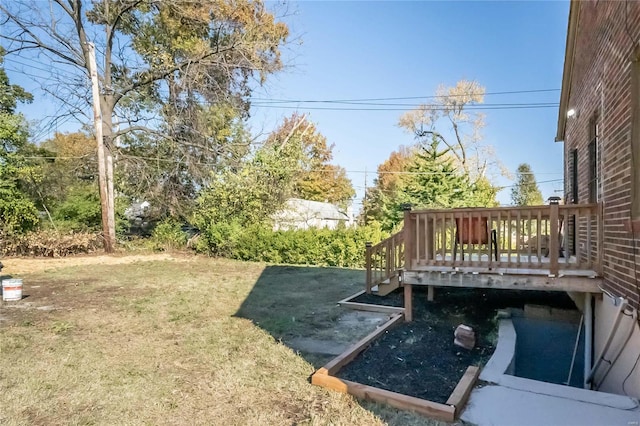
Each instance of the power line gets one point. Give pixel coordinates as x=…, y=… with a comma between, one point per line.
x=175, y=161
x=66, y=72
x=415, y=105
x=497, y=187
x=468, y=107
x=512, y=92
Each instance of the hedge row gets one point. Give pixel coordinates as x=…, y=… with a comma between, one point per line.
x=321, y=247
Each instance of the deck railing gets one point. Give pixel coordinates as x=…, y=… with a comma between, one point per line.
x=384, y=259
x=534, y=239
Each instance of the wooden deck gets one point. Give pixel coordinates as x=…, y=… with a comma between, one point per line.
x=503, y=281
x=553, y=248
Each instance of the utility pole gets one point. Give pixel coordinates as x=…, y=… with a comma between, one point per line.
x=106, y=205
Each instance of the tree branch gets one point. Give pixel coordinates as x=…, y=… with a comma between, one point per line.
x=463, y=153
x=149, y=76
x=130, y=129
x=35, y=41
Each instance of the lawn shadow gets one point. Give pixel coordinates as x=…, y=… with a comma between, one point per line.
x=297, y=305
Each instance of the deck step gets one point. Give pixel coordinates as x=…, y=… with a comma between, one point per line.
x=387, y=286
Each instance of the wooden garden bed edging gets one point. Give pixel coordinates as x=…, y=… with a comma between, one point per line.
x=347, y=356
x=347, y=303
x=325, y=377
x=460, y=394
x=402, y=402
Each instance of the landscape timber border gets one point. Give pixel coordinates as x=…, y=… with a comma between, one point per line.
x=326, y=377
x=347, y=303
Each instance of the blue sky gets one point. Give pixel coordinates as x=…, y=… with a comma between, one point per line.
x=386, y=49
x=376, y=49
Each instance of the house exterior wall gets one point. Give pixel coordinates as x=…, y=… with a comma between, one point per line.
x=289, y=224
x=623, y=377
x=600, y=93
x=298, y=214
x=598, y=79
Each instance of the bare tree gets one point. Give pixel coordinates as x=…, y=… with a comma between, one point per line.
x=449, y=119
x=152, y=54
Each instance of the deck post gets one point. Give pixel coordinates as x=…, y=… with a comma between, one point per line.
x=409, y=244
x=408, y=302
x=430, y=293
x=367, y=256
x=554, y=250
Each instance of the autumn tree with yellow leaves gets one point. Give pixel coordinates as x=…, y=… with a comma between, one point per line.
x=161, y=65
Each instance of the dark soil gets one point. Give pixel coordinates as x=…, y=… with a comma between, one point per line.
x=419, y=358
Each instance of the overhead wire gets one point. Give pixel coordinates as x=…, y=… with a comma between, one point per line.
x=423, y=106
x=511, y=92
x=32, y=66
x=315, y=170
x=478, y=107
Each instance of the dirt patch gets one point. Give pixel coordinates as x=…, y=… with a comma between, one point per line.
x=17, y=265
x=419, y=358
x=317, y=346
x=41, y=299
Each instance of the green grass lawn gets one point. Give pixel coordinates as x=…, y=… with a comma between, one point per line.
x=185, y=341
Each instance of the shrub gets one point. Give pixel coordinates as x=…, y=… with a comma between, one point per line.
x=219, y=239
x=168, y=235
x=17, y=213
x=322, y=247
x=81, y=211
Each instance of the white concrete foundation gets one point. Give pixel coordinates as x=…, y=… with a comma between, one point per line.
x=509, y=400
x=622, y=378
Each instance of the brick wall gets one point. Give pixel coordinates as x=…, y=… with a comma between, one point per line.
x=601, y=87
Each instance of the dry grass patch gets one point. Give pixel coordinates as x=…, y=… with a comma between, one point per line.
x=172, y=342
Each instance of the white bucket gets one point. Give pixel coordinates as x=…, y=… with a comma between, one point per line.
x=12, y=289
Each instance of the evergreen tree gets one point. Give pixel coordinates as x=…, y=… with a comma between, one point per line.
x=432, y=180
x=435, y=182
x=526, y=192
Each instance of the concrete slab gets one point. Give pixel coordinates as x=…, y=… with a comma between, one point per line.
x=510, y=400
x=500, y=368
x=317, y=346
x=349, y=328
x=498, y=405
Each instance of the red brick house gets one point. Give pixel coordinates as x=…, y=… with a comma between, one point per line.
x=599, y=124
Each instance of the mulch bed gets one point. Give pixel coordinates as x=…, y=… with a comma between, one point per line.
x=419, y=358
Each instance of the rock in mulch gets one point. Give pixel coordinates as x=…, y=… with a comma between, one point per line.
x=464, y=337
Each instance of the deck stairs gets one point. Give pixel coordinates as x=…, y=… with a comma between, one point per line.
x=388, y=285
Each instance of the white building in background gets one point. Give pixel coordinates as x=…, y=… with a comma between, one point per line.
x=305, y=214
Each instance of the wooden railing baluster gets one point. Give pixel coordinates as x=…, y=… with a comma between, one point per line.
x=428, y=239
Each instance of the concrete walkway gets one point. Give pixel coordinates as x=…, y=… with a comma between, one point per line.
x=497, y=405
x=513, y=401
